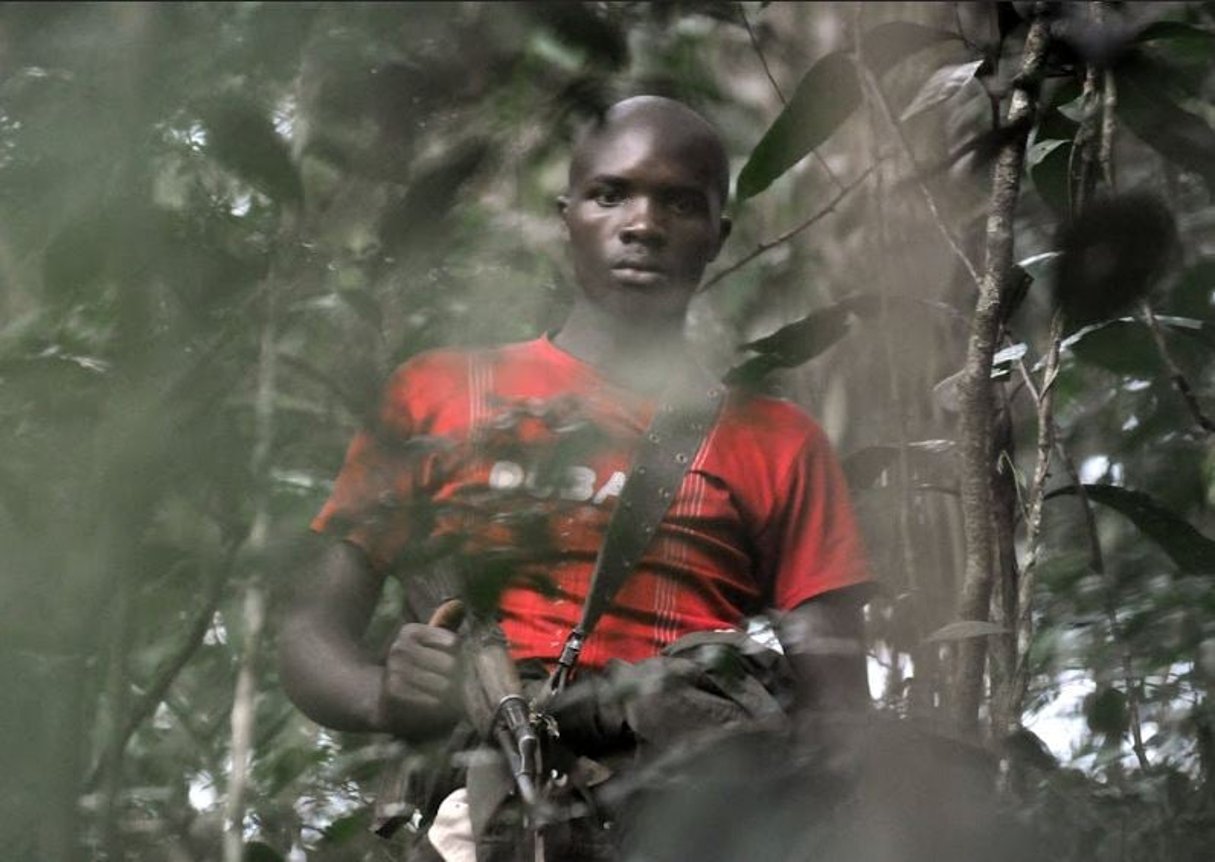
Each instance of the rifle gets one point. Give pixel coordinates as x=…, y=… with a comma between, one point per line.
x=495, y=701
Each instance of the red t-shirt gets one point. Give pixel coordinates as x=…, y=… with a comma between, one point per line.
x=513, y=458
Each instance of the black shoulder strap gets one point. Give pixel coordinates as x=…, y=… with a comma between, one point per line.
x=676, y=434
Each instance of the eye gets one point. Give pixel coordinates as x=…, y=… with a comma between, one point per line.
x=686, y=203
x=607, y=196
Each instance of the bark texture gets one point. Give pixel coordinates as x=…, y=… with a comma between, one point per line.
x=976, y=396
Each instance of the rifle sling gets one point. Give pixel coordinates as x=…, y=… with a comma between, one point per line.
x=667, y=449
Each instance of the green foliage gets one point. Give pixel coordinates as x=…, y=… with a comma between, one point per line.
x=358, y=183
x=825, y=97
x=1193, y=552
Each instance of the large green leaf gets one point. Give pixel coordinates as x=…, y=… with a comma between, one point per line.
x=1147, y=108
x=826, y=96
x=241, y=137
x=888, y=44
x=1193, y=552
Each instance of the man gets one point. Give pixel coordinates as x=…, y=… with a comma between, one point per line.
x=761, y=520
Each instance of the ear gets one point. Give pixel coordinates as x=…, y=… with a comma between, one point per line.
x=563, y=203
x=726, y=225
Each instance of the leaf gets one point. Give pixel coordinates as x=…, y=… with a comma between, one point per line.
x=1148, y=110
x=1193, y=552
x=864, y=467
x=582, y=26
x=1050, y=176
x=241, y=138
x=418, y=217
x=1180, y=43
x=1111, y=255
x=794, y=344
x=940, y=86
x=888, y=44
x=1040, y=150
x=1002, y=361
x=826, y=96
x=260, y=851
x=1040, y=266
x=365, y=305
x=964, y=629
x=1106, y=713
x=1122, y=346
x=1191, y=295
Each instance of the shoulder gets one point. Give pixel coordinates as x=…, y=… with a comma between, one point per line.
x=443, y=368
x=436, y=382
x=773, y=424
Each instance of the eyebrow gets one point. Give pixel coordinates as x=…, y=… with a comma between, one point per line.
x=616, y=180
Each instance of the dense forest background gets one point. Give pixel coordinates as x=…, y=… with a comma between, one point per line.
x=976, y=240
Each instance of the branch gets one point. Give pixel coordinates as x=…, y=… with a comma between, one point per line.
x=975, y=390
x=1179, y=380
x=1044, y=400
x=243, y=716
x=791, y=232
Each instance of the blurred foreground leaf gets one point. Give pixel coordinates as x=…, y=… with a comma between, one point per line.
x=241, y=138
x=1111, y=255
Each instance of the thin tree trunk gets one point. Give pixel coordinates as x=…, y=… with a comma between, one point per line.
x=976, y=395
x=254, y=606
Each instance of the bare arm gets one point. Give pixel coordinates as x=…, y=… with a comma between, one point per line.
x=335, y=680
x=824, y=641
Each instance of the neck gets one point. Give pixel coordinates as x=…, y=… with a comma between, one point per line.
x=639, y=354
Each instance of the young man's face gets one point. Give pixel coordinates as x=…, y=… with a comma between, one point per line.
x=644, y=217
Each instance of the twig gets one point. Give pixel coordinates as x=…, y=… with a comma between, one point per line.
x=1044, y=400
x=1109, y=103
x=742, y=13
x=791, y=232
x=872, y=85
x=759, y=52
x=975, y=390
x=159, y=689
x=1097, y=564
x=1175, y=375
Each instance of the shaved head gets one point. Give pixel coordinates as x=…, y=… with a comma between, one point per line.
x=684, y=131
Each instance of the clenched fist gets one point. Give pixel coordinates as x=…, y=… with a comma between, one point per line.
x=420, y=693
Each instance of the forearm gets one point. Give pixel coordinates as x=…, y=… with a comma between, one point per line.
x=325, y=670
x=333, y=683
x=824, y=642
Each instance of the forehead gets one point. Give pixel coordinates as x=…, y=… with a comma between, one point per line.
x=646, y=151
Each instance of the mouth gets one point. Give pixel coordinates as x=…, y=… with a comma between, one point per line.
x=638, y=272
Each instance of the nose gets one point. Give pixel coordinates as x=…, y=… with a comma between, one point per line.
x=643, y=222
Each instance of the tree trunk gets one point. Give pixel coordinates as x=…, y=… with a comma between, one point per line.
x=976, y=395
x=254, y=609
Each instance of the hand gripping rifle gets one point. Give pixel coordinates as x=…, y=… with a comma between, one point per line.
x=496, y=703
